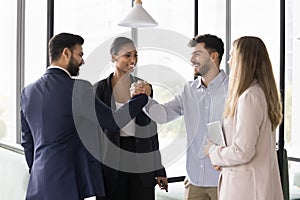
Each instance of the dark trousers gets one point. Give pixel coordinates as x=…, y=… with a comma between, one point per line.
x=129, y=185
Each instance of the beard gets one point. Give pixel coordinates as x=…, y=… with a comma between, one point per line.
x=203, y=70
x=73, y=67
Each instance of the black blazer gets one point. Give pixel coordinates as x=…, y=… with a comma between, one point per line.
x=146, y=140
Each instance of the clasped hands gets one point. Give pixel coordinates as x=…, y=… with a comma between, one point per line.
x=140, y=87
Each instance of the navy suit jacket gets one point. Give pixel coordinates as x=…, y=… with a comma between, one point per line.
x=52, y=110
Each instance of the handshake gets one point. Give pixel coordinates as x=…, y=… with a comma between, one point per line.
x=140, y=87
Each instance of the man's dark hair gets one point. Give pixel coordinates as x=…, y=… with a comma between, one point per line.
x=63, y=40
x=211, y=43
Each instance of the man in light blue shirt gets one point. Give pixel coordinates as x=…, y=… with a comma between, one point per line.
x=201, y=101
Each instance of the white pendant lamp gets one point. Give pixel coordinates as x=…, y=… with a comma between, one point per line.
x=138, y=17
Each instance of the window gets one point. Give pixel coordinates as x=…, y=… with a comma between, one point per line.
x=212, y=15
x=245, y=23
x=35, y=40
x=8, y=22
x=96, y=21
x=292, y=97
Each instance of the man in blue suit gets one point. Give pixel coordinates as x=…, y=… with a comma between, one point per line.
x=56, y=112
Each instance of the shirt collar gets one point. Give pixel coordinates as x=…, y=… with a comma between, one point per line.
x=199, y=82
x=217, y=81
x=58, y=67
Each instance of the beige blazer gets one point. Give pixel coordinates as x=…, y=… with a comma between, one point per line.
x=250, y=168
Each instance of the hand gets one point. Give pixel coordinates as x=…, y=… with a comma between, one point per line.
x=140, y=87
x=147, y=88
x=162, y=183
x=207, y=147
x=207, y=150
x=217, y=167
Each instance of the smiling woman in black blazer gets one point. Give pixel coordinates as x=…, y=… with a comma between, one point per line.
x=133, y=173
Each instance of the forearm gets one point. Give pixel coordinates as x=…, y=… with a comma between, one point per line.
x=114, y=120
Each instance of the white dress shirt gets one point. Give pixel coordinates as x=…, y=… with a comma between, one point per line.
x=199, y=105
x=128, y=129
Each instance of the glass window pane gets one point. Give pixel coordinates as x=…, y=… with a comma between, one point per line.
x=265, y=26
x=292, y=97
x=212, y=15
x=35, y=40
x=169, y=15
x=96, y=21
x=292, y=79
x=294, y=178
x=8, y=21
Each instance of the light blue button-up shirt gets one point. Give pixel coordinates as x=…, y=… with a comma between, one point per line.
x=199, y=105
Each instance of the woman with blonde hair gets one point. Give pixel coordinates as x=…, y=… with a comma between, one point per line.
x=248, y=164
